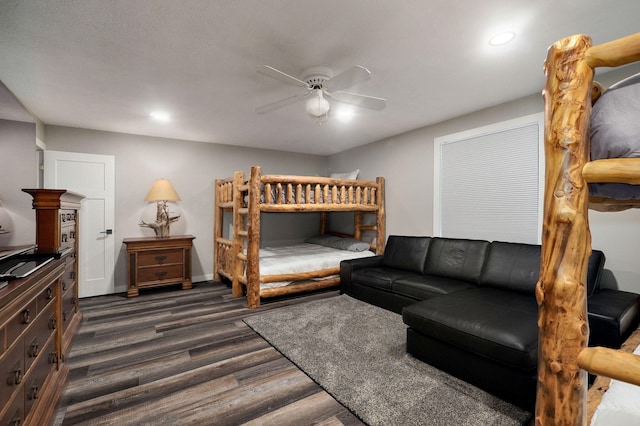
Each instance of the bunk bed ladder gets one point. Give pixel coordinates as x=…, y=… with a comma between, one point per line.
x=239, y=233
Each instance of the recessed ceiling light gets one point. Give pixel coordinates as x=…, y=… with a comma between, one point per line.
x=502, y=38
x=160, y=116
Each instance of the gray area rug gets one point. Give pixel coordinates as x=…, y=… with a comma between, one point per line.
x=357, y=353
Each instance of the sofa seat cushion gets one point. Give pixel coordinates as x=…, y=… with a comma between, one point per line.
x=496, y=324
x=379, y=277
x=421, y=287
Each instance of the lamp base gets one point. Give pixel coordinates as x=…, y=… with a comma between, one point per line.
x=163, y=221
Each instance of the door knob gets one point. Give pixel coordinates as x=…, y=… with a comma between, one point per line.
x=108, y=231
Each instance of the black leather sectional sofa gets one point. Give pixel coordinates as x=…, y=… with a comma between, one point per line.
x=471, y=310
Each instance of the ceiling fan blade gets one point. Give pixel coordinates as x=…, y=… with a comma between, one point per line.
x=281, y=103
x=279, y=75
x=365, y=101
x=351, y=77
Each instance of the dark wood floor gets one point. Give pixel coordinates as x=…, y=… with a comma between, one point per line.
x=173, y=357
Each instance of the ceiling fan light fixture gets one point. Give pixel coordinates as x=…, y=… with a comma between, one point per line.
x=317, y=105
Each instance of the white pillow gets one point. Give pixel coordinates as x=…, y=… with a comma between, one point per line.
x=346, y=175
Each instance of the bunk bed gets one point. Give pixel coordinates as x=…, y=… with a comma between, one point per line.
x=563, y=355
x=241, y=259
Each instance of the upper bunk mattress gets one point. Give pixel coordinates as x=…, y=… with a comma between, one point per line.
x=615, y=133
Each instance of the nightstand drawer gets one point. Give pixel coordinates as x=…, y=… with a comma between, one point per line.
x=160, y=257
x=160, y=273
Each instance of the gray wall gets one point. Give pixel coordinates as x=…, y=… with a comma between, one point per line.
x=406, y=161
x=192, y=168
x=17, y=170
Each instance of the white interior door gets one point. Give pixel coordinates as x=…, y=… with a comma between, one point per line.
x=94, y=177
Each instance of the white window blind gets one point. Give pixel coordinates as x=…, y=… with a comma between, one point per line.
x=489, y=182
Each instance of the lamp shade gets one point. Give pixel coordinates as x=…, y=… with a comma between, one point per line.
x=162, y=190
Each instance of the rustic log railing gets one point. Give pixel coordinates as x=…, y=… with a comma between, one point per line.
x=237, y=259
x=563, y=355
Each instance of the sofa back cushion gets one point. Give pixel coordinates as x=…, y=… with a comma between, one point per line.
x=456, y=258
x=516, y=267
x=594, y=271
x=406, y=252
x=512, y=266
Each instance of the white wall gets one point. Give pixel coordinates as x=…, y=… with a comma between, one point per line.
x=406, y=162
x=17, y=171
x=192, y=168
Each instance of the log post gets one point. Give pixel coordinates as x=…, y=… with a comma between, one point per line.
x=566, y=240
x=238, y=225
x=217, y=227
x=253, y=238
x=380, y=217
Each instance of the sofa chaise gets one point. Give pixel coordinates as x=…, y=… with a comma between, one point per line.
x=470, y=306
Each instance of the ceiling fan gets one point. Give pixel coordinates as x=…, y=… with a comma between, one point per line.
x=320, y=83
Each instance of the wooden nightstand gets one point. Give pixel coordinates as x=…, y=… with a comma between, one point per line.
x=154, y=262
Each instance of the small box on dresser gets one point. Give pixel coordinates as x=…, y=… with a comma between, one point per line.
x=155, y=261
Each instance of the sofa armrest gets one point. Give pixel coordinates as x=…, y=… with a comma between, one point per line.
x=613, y=316
x=348, y=266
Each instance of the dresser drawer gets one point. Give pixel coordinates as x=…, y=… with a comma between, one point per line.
x=13, y=414
x=69, y=305
x=160, y=273
x=45, y=363
x=38, y=335
x=46, y=296
x=21, y=320
x=11, y=372
x=160, y=257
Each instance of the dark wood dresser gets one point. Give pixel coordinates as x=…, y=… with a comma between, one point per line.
x=155, y=261
x=39, y=314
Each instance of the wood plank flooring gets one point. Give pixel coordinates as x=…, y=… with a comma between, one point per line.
x=172, y=356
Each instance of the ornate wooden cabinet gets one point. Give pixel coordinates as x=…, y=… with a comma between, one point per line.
x=39, y=315
x=157, y=261
x=57, y=216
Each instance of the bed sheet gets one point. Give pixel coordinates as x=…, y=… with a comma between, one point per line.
x=302, y=257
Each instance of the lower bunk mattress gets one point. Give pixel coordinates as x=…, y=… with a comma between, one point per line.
x=300, y=258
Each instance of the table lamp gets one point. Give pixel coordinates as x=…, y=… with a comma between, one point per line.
x=161, y=192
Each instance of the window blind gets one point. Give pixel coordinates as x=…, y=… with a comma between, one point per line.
x=489, y=183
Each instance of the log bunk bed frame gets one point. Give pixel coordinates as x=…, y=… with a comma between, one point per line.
x=237, y=259
x=564, y=357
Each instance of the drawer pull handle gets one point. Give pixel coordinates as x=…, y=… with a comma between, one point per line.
x=64, y=316
x=64, y=285
x=33, y=392
x=72, y=275
x=52, y=324
x=53, y=358
x=16, y=420
x=26, y=318
x=49, y=293
x=15, y=376
x=33, y=350
x=161, y=258
x=161, y=274
x=73, y=301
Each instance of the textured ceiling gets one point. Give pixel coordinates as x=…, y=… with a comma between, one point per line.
x=107, y=64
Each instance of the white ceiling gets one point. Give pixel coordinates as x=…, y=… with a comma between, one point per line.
x=107, y=64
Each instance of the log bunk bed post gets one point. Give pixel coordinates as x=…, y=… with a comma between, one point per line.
x=563, y=354
x=320, y=195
